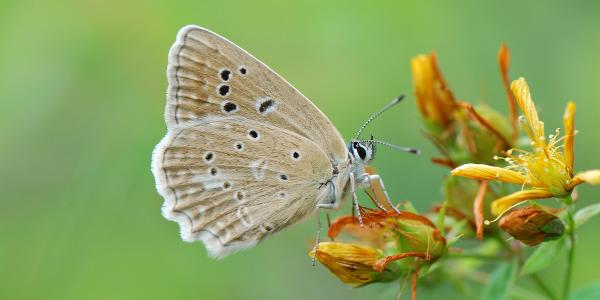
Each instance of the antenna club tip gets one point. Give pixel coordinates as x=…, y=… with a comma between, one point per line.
x=415, y=151
x=399, y=98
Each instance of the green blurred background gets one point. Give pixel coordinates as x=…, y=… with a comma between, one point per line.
x=82, y=97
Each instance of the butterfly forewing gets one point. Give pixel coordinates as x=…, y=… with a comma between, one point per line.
x=208, y=75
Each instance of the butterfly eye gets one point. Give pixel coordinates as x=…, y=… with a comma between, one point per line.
x=360, y=150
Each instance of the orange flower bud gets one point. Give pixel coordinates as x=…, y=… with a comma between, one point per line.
x=434, y=99
x=353, y=264
x=532, y=225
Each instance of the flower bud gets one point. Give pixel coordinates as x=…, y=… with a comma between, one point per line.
x=402, y=235
x=532, y=225
x=352, y=264
x=434, y=99
x=415, y=233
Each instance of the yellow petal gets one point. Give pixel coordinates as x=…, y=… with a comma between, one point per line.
x=350, y=252
x=589, y=176
x=502, y=204
x=569, y=123
x=523, y=96
x=485, y=172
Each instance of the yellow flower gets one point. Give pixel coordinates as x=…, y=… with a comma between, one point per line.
x=547, y=170
x=353, y=264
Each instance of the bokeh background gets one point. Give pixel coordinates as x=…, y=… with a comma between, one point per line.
x=81, y=107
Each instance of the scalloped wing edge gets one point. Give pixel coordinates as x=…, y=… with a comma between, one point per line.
x=214, y=247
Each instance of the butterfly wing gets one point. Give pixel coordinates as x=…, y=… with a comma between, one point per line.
x=230, y=181
x=208, y=75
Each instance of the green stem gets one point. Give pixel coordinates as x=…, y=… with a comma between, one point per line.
x=538, y=281
x=506, y=245
x=571, y=255
x=475, y=256
x=542, y=286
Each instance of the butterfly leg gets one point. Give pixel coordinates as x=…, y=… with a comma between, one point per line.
x=330, y=204
x=355, y=199
x=378, y=190
x=314, y=257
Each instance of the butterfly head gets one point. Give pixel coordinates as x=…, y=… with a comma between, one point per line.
x=362, y=151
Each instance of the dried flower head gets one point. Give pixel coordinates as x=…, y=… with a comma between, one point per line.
x=532, y=225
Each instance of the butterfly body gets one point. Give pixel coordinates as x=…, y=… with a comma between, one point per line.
x=245, y=154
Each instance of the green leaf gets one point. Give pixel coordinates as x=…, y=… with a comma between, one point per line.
x=591, y=292
x=584, y=214
x=543, y=256
x=501, y=280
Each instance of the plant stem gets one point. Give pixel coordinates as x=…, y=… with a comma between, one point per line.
x=538, y=281
x=571, y=255
x=475, y=256
x=504, y=243
x=543, y=287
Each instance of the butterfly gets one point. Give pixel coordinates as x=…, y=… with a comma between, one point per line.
x=246, y=154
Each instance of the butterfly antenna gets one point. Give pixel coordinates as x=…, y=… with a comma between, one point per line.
x=375, y=115
x=395, y=147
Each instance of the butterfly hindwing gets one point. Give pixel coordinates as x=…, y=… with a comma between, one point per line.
x=208, y=76
x=230, y=181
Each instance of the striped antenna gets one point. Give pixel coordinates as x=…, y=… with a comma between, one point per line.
x=375, y=115
x=395, y=147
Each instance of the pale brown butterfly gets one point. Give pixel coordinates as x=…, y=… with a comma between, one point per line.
x=246, y=154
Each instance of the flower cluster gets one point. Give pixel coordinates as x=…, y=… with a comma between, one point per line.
x=463, y=133
x=493, y=171
x=387, y=245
